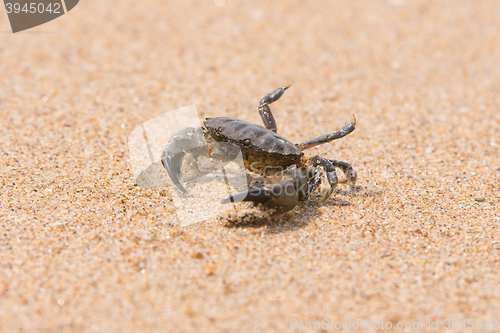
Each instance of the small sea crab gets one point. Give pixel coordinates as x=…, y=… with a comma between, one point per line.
x=264, y=152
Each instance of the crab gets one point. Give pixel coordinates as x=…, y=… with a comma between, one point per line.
x=264, y=152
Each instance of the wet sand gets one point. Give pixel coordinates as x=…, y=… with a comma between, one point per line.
x=83, y=249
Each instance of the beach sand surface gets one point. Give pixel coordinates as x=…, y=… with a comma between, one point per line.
x=416, y=241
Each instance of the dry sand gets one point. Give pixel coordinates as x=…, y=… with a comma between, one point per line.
x=83, y=249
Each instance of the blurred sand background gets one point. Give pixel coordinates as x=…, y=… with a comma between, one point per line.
x=82, y=249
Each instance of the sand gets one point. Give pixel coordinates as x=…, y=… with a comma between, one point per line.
x=83, y=249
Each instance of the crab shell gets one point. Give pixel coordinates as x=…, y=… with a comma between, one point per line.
x=261, y=148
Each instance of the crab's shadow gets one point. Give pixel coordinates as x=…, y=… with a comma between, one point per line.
x=297, y=219
x=301, y=216
x=273, y=224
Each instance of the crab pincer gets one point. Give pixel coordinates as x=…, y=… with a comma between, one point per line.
x=281, y=197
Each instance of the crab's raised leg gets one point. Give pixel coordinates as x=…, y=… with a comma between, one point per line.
x=187, y=140
x=348, y=128
x=265, y=111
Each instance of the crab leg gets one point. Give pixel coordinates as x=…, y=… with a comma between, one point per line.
x=331, y=175
x=348, y=128
x=265, y=111
x=315, y=175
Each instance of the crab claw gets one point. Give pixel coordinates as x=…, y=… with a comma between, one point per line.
x=280, y=197
x=189, y=139
x=173, y=166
